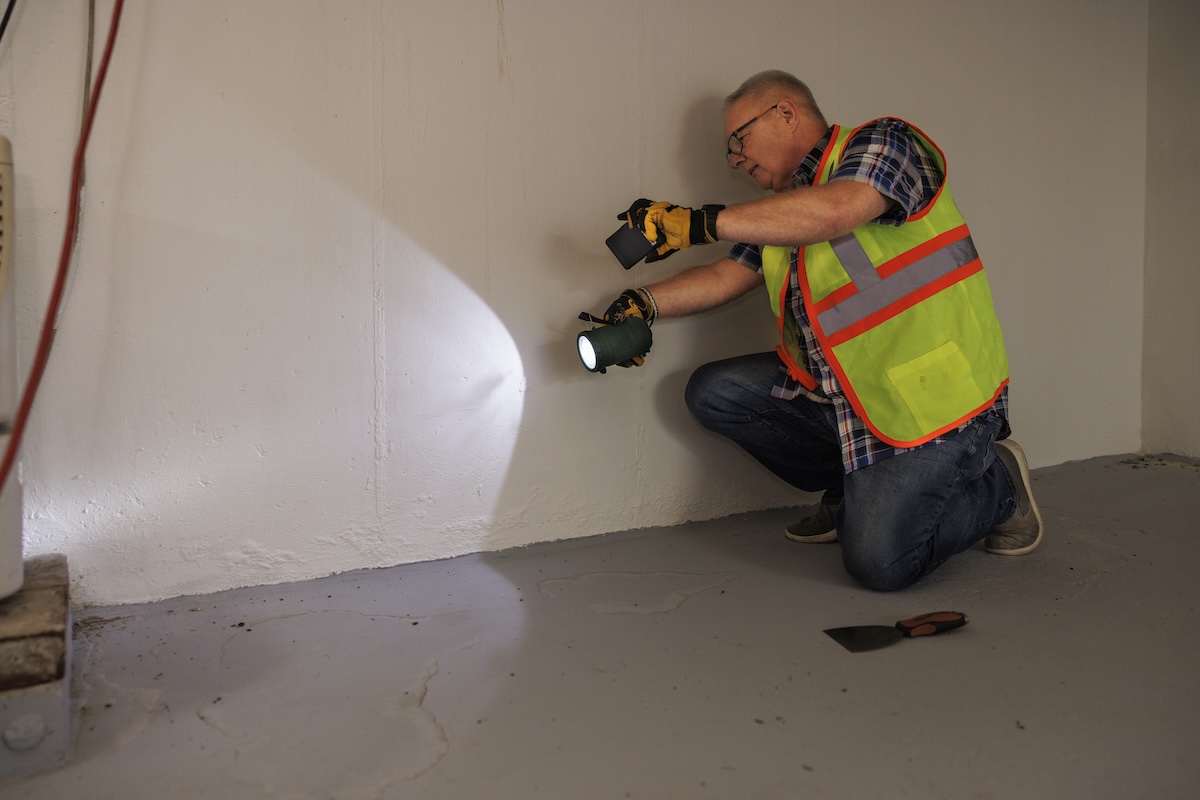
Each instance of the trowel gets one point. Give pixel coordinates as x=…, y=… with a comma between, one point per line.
x=860, y=638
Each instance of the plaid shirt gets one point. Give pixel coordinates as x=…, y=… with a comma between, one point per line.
x=885, y=156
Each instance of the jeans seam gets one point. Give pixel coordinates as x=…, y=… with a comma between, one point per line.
x=955, y=484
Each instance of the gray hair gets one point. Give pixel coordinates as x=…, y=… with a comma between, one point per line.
x=775, y=81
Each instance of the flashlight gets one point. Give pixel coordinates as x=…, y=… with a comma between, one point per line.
x=602, y=347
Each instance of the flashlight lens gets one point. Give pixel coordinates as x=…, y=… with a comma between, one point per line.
x=587, y=353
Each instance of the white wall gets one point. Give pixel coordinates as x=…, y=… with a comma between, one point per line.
x=333, y=253
x=1172, y=339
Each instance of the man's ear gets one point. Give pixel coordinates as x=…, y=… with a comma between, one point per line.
x=789, y=112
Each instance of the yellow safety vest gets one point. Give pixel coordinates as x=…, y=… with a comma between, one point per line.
x=903, y=314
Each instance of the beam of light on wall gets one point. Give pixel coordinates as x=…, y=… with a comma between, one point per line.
x=307, y=390
x=455, y=397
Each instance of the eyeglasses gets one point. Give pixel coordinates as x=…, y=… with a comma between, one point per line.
x=736, y=141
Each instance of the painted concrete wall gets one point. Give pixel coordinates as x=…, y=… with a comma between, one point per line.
x=1172, y=333
x=333, y=254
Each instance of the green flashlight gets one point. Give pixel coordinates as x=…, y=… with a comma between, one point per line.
x=606, y=345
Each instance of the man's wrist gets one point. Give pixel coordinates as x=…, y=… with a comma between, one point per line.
x=704, y=224
x=651, y=306
x=720, y=223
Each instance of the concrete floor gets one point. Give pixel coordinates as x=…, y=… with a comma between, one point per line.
x=680, y=663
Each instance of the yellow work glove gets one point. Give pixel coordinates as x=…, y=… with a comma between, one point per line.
x=670, y=227
x=632, y=303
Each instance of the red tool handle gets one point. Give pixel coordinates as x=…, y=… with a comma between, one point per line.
x=929, y=624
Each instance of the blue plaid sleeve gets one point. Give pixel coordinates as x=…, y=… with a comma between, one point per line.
x=887, y=156
x=748, y=255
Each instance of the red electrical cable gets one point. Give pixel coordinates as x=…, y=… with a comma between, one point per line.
x=64, y=262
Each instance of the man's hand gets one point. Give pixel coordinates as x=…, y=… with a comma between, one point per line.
x=672, y=227
x=631, y=303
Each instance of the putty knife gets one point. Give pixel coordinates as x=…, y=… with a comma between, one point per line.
x=861, y=638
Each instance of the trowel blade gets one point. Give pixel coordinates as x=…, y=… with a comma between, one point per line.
x=861, y=638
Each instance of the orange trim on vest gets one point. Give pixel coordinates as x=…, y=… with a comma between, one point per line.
x=833, y=298
x=917, y=253
x=889, y=268
x=883, y=315
x=795, y=371
x=927, y=437
x=833, y=137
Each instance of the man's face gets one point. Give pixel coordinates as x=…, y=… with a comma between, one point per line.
x=763, y=141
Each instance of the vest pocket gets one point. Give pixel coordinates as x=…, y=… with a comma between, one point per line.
x=937, y=387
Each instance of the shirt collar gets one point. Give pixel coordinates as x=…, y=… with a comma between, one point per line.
x=807, y=171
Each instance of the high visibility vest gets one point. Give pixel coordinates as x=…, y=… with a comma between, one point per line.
x=903, y=315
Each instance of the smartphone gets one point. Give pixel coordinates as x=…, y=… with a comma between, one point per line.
x=629, y=246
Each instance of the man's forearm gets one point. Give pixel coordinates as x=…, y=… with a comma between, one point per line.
x=703, y=287
x=802, y=216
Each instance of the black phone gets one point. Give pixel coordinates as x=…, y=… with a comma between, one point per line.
x=629, y=246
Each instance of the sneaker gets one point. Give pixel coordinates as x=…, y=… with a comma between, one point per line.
x=1023, y=530
x=817, y=527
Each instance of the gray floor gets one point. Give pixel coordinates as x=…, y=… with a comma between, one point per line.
x=679, y=663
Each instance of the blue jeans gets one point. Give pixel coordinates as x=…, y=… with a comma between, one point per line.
x=898, y=519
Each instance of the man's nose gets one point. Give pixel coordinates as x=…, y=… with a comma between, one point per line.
x=740, y=162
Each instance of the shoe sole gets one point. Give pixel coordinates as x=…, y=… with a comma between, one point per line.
x=1018, y=455
x=816, y=538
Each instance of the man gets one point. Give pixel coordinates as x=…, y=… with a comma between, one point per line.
x=888, y=390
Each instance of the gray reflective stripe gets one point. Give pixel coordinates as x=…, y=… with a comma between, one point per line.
x=897, y=286
x=855, y=261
